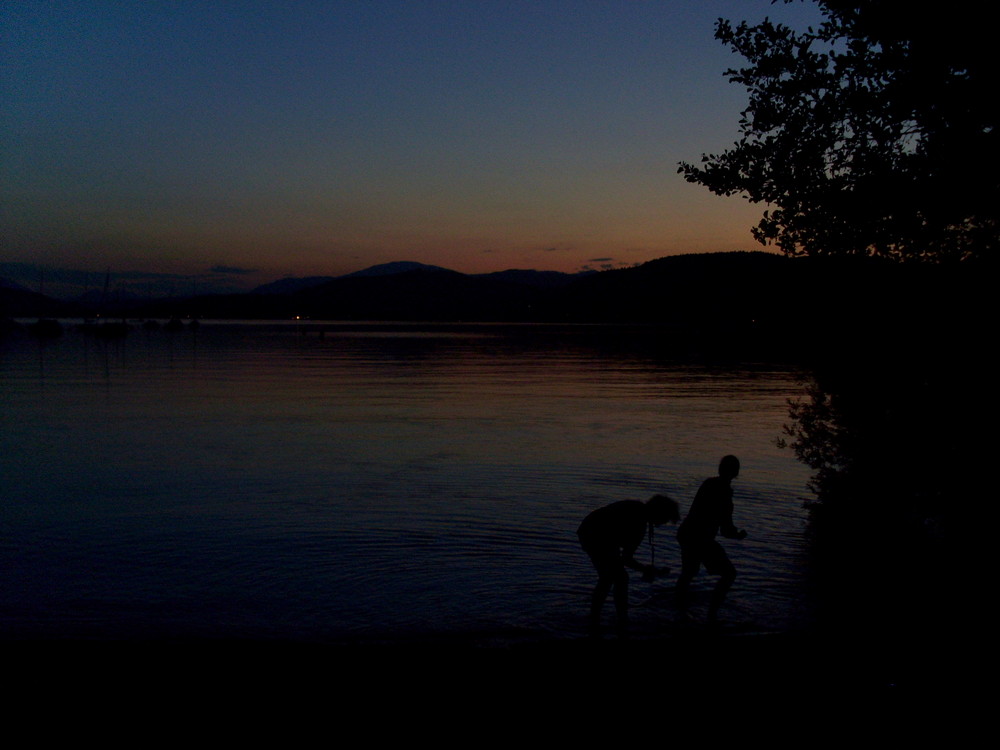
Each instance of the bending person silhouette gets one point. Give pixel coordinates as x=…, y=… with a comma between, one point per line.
x=611, y=535
x=711, y=513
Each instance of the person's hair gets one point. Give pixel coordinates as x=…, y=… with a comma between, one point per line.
x=661, y=506
x=729, y=466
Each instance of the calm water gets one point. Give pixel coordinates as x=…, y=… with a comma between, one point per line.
x=370, y=482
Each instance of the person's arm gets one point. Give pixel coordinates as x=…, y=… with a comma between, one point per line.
x=727, y=528
x=630, y=562
x=649, y=572
x=729, y=531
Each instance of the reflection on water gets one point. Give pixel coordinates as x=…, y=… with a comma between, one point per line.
x=365, y=481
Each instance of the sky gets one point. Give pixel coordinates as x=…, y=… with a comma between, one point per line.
x=241, y=141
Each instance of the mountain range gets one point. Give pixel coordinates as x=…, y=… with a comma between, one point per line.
x=292, y=285
x=671, y=289
x=712, y=293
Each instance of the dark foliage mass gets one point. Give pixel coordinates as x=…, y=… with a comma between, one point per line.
x=874, y=134
x=873, y=138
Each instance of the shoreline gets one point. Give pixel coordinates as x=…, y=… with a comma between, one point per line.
x=452, y=690
x=777, y=661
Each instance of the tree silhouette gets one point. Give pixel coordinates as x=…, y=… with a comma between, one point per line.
x=873, y=134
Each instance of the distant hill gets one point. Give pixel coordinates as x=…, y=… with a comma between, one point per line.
x=433, y=294
x=742, y=296
x=399, y=266
x=673, y=289
x=292, y=285
x=702, y=287
x=545, y=279
x=11, y=284
x=18, y=302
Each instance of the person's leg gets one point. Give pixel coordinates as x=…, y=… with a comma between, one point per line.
x=606, y=565
x=727, y=574
x=597, y=599
x=621, y=600
x=690, y=563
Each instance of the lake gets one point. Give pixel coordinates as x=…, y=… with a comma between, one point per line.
x=373, y=482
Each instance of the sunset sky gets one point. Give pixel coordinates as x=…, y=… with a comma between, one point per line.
x=248, y=140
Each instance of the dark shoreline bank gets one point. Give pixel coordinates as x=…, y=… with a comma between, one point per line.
x=782, y=663
x=452, y=692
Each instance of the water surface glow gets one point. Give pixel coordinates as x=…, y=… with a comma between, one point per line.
x=268, y=481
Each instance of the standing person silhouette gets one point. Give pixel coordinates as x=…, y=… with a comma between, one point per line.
x=611, y=535
x=711, y=513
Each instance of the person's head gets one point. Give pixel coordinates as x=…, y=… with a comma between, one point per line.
x=662, y=509
x=729, y=467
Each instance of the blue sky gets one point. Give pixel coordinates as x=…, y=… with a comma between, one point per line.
x=322, y=137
